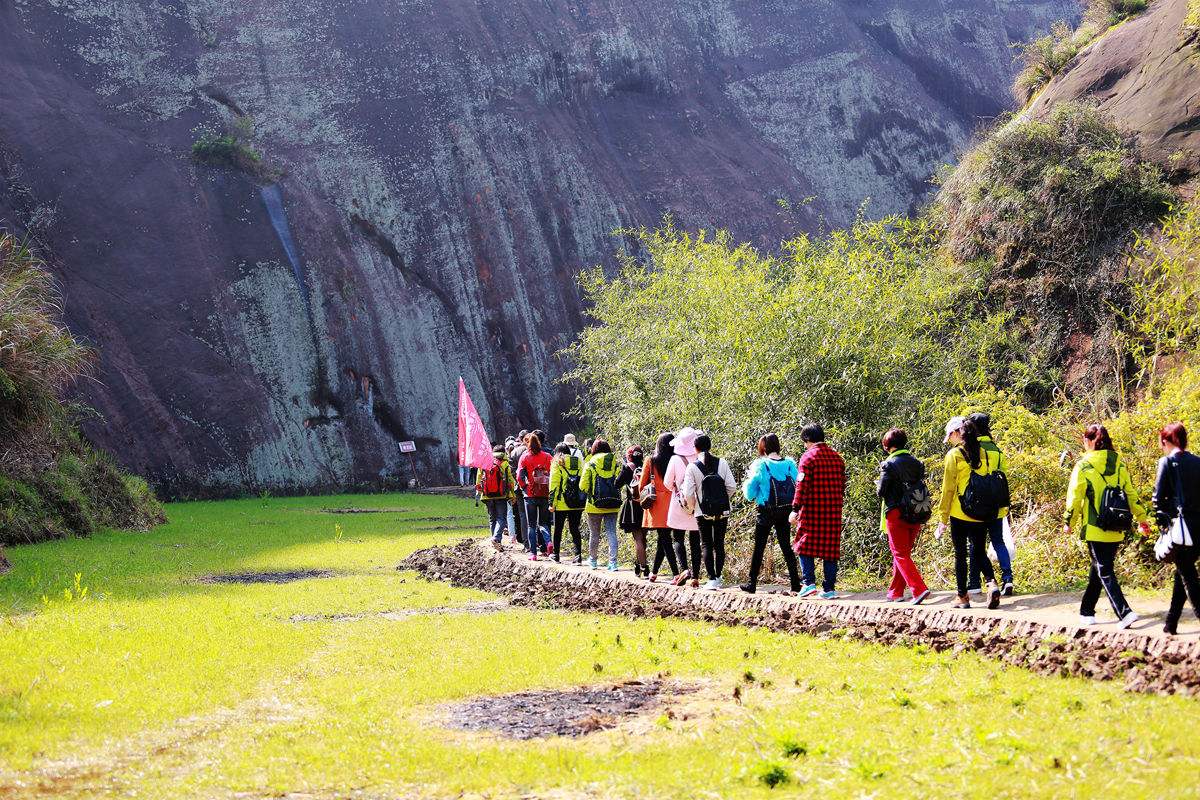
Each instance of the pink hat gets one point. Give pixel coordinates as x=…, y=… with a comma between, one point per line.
x=685, y=441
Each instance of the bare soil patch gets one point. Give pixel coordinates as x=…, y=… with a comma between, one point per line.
x=268, y=577
x=484, y=607
x=570, y=712
x=352, y=510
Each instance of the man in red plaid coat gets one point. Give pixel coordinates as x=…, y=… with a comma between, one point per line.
x=817, y=511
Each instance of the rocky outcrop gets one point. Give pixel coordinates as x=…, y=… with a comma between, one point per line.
x=433, y=176
x=1146, y=663
x=1145, y=73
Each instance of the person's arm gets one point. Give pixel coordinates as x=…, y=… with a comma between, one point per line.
x=1164, y=493
x=647, y=475
x=730, y=483
x=885, y=480
x=555, y=479
x=1075, y=515
x=688, y=488
x=949, y=486
x=803, y=479
x=752, y=491
x=510, y=483
x=587, y=479
x=624, y=477
x=671, y=479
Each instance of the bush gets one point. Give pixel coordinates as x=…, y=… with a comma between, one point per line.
x=227, y=150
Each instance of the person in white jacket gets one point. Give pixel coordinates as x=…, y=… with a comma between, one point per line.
x=708, y=487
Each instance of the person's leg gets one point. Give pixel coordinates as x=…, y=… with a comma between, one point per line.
x=1091, y=592
x=706, y=544
x=1178, y=601
x=680, y=548
x=809, y=567
x=1185, y=568
x=762, y=530
x=1104, y=555
x=694, y=543
x=720, y=527
x=639, y=549
x=574, y=521
x=783, y=533
x=560, y=519
x=893, y=527
x=610, y=525
x=545, y=520
x=593, y=521
x=958, y=537
x=519, y=517
x=829, y=569
x=664, y=538
x=1003, y=557
x=531, y=522
x=495, y=515
x=660, y=552
x=908, y=568
x=982, y=564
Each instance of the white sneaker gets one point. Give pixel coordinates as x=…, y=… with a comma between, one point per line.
x=717, y=583
x=710, y=585
x=1085, y=621
x=1128, y=620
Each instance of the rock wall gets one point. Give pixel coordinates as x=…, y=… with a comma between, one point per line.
x=435, y=173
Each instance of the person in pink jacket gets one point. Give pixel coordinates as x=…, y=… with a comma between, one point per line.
x=679, y=518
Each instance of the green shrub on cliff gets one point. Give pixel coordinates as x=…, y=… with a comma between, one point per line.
x=227, y=150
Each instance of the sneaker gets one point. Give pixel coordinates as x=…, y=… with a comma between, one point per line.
x=653, y=577
x=718, y=583
x=1008, y=589
x=1086, y=619
x=550, y=549
x=579, y=561
x=809, y=590
x=496, y=544
x=681, y=578
x=962, y=601
x=1128, y=620
x=993, y=597
x=916, y=601
x=748, y=588
x=828, y=595
x=533, y=556
x=594, y=563
x=695, y=583
x=557, y=560
x=890, y=599
x=612, y=566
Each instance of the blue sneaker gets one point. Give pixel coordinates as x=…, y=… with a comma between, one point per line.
x=612, y=566
x=808, y=591
x=594, y=564
x=828, y=595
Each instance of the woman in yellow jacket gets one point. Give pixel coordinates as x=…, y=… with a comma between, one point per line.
x=1098, y=469
x=599, y=483
x=969, y=535
x=567, y=498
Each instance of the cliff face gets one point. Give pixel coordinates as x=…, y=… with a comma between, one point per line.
x=434, y=174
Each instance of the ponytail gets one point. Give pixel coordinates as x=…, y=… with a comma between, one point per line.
x=970, y=445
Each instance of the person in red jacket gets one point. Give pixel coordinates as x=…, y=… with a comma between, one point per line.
x=817, y=511
x=533, y=476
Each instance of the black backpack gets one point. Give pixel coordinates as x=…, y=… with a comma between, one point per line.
x=605, y=493
x=781, y=492
x=571, y=494
x=1113, y=513
x=916, y=503
x=986, y=493
x=714, y=496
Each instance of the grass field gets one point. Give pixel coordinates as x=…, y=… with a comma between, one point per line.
x=155, y=684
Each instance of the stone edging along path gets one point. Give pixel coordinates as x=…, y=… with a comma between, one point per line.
x=1146, y=663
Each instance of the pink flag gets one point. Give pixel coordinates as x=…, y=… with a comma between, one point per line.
x=474, y=448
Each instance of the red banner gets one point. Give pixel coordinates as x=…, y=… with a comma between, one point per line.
x=474, y=447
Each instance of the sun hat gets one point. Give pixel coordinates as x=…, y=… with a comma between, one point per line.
x=570, y=439
x=954, y=424
x=685, y=441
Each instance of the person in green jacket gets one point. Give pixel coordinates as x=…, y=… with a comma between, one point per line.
x=567, y=498
x=1099, y=468
x=983, y=424
x=599, y=483
x=496, y=487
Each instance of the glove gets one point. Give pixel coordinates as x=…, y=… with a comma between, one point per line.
x=939, y=531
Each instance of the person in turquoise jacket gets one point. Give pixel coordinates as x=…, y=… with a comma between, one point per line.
x=770, y=485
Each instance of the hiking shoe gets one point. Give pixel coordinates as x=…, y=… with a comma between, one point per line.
x=1086, y=619
x=496, y=544
x=916, y=601
x=717, y=583
x=748, y=588
x=595, y=564
x=899, y=599
x=713, y=585
x=557, y=560
x=962, y=601
x=1128, y=620
x=579, y=561
x=1008, y=589
x=681, y=578
x=612, y=566
x=809, y=590
x=828, y=595
x=994, y=597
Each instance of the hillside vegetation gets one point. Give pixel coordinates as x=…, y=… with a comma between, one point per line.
x=1038, y=287
x=52, y=483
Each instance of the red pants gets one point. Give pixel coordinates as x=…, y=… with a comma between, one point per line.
x=902, y=536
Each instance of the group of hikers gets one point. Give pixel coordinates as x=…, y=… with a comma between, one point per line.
x=675, y=502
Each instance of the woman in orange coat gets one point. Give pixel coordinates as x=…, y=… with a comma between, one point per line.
x=654, y=518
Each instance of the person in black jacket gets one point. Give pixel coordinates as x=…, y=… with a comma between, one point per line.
x=1176, y=491
x=900, y=471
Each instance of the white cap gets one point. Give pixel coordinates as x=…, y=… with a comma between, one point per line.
x=954, y=424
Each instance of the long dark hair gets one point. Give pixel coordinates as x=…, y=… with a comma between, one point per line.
x=534, y=443
x=663, y=453
x=970, y=445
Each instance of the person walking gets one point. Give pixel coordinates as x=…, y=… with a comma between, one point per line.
x=571, y=442
x=496, y=488
x=567, y=498
x=533, y=477
x=681, y=521
x=771, y=485
x=968, y=534
x=632, y=513
x=708, y=488
x=817, y=511
x=519, y=521
x=1102, y=506
x=656, y=500
x=1177, y=495
x=983, y=425
x=906, y=506
x=599, y=483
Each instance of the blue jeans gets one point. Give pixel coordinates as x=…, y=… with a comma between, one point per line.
x=808, y=566
x=996, y=534
x=464, y=475
x=609, y=522
x=537, y=513
x=497, y=517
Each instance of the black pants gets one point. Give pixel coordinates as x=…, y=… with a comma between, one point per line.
x=773, y=520
x=969, y=540
x=664, y=549
x=1103, y=575
x=519, y=517
x=712, y=538
x=1187, y=584
x=568, y=517
x=681, y=550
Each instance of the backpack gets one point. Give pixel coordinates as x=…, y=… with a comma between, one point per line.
x=714, y=497
x=604, y=490
x=539, y=482
x=1113, y=512
x=571, y=494
x=649, y=494
x=916, y=503
x=986, y=493
x=493, y=482
x=780, y=492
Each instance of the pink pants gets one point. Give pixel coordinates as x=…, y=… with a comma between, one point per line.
x=902, y=536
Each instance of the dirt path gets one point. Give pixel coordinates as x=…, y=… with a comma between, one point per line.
x=1038, y=632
